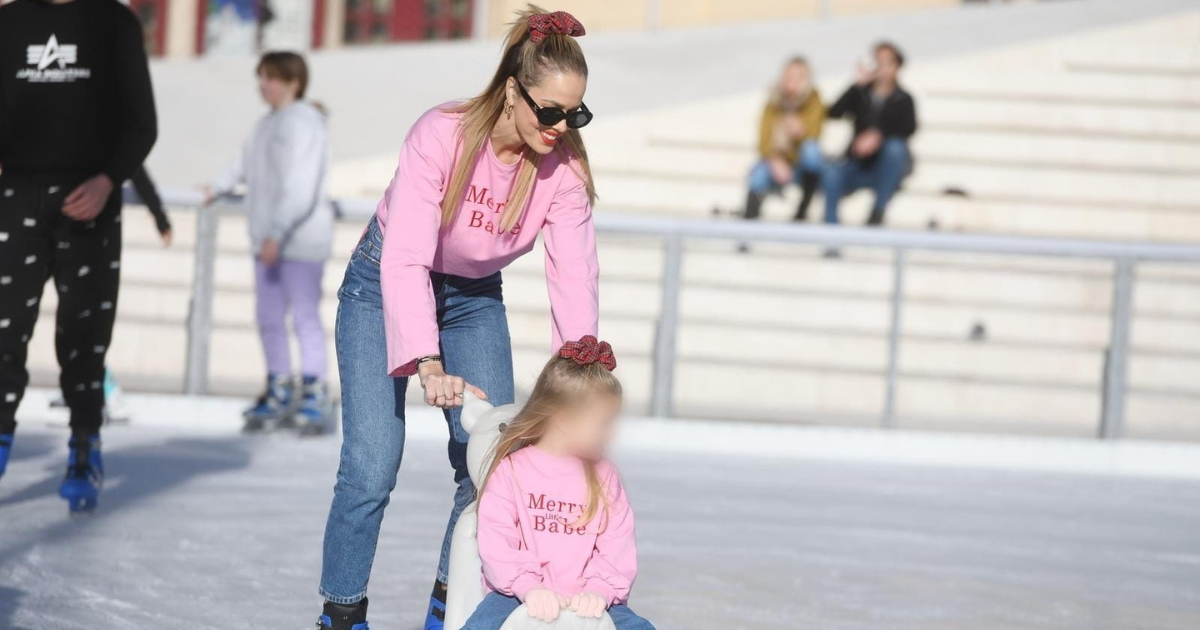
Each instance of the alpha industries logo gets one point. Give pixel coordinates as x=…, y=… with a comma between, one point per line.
x=50, y=63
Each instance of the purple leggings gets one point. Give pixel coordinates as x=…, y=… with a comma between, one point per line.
x=293, y=285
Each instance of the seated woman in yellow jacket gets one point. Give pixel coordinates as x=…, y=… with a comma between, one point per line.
x=788, y=140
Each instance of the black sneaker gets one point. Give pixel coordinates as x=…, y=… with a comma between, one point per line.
x=344, y=616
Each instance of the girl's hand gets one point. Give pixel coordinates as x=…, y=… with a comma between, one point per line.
x=589, y=605
x=268, y=252
x=543, y=603
x=165, y=235
x=443, y=390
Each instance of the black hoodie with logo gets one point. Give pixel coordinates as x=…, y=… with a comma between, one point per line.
x=895, y=116
x=75, y=95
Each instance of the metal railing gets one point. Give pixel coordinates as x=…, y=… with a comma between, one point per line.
x=1124, y=256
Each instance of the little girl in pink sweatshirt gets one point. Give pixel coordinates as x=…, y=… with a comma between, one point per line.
x=555, y=527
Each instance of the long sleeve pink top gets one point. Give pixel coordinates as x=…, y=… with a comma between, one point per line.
x=415, y=243
x=528, y=536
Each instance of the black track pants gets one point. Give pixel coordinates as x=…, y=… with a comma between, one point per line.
x=38, y=243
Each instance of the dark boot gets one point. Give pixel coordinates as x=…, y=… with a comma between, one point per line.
x=808, y=188
x=876, y=218
x=754, y=203
x=85, y=474
x=344, y=616
x=436, y=619
x=6, y=441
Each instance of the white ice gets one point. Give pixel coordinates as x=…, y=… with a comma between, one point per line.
x=201, y=527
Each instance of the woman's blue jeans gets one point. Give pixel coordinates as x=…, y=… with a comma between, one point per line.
x=475, y=345
x=810, y=161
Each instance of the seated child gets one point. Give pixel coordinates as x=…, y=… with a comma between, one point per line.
x=555, y=527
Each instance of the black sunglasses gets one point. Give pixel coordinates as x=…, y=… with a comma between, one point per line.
x=550, y=116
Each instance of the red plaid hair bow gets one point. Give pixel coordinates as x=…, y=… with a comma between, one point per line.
x=558, y=23
x=588, y=350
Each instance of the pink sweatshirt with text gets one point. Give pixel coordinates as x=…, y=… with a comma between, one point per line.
x=472, y=246
x=528, y=535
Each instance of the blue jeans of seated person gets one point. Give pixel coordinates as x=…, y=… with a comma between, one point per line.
x=475, y=345
x=495, y=609
x=811, y=161
x=882, y=175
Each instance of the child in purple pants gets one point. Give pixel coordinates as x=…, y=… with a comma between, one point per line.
x=283, y=165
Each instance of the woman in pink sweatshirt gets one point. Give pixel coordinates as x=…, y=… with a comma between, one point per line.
x=477, y=181
x=555, y=527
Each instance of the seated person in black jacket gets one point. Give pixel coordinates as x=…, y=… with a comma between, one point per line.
x=884, y=119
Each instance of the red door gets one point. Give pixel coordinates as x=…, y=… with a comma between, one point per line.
x=406, y=20
x=153, y=16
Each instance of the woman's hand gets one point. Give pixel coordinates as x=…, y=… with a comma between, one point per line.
x=781, y=171
x=444, y=390
x=543, y=603
x=795, y=127
x=589, y=605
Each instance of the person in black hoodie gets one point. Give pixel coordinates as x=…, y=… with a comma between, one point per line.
x=885, y=117
x=77, y=119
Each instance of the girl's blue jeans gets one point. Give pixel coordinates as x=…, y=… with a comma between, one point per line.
x=811, y=161
x=495, y=609
x=475, y=345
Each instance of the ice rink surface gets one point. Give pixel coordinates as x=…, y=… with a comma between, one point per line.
x=206, y=528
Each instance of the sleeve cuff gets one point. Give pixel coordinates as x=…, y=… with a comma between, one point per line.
x=525, y=583
x=116, y=176
x=408, y=369
x=601, y=588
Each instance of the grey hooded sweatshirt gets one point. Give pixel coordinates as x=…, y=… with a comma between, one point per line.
x=284, y=165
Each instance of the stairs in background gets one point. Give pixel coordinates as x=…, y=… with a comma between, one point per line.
x=1048, y=139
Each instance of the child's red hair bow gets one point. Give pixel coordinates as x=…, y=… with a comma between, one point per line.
x=590, y=350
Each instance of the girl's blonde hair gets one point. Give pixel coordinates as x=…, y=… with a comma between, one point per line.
x=529, y=63
x=562, y=383
x=778, y=98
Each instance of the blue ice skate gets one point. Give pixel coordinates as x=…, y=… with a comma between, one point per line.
x=275, y=405
x=436, y=618
x=315, y=408
x=85, y=475
x=5, y=448
x=344, y=616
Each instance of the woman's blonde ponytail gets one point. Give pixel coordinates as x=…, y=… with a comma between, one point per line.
x=528, y=62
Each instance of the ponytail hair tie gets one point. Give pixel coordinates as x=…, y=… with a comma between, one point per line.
x=588, y=350
x=557, y=23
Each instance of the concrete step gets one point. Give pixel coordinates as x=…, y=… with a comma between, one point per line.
x=1060, y=115
x=1166, y=154
x=1149, y=90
